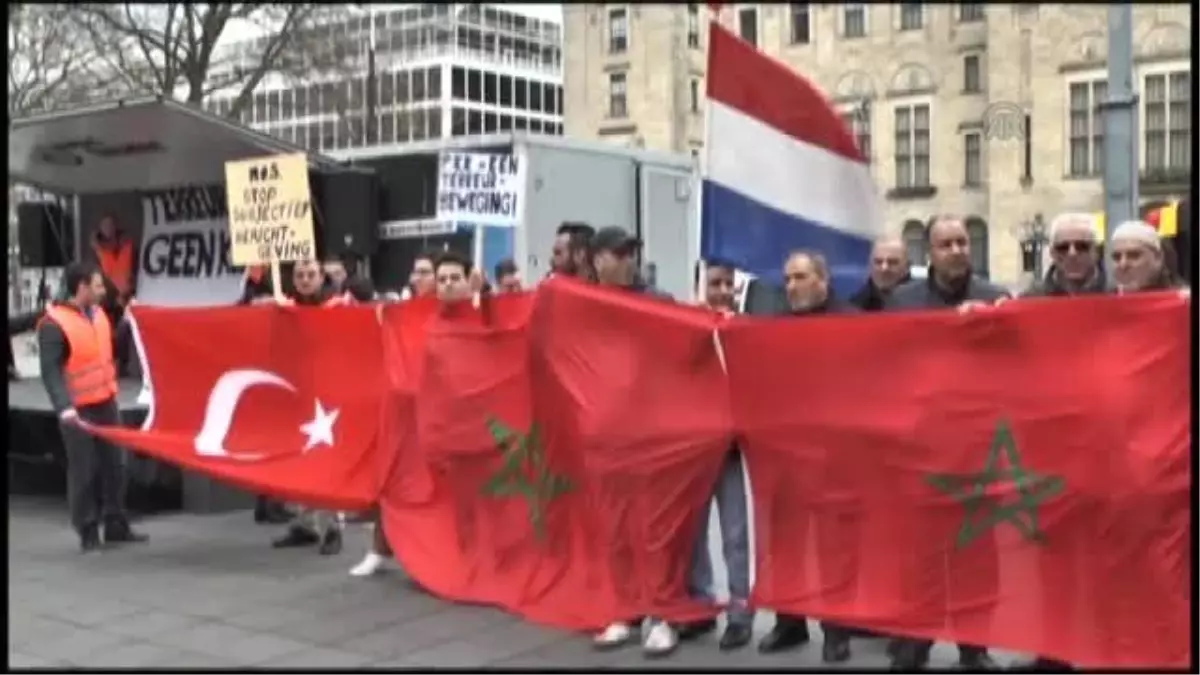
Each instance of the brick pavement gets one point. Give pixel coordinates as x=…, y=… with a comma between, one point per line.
x=209, y=592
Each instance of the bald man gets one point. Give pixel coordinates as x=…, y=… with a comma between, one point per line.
x=1074, y=259
x=889, y=269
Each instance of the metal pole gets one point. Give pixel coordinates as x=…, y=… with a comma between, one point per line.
x=371, y=126
x=1120, y=127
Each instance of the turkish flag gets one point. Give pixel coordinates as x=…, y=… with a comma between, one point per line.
x=285, y=401
x=1016, y=477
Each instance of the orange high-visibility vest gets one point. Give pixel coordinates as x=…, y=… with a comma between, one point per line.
x=117, y=264
x=89, y=372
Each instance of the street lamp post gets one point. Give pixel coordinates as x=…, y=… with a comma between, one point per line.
x=1033, y=238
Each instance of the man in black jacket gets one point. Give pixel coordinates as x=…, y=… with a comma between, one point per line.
x=951, y=284
x=889, y=270
x=806, y=285
x=1074, y=259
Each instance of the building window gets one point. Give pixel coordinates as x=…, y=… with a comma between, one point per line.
x=403, y=96
x=535, y=126
x=911, y=16
x=458, y=83
x=419, y=124
x=616, y=95
x=800, y=24
x=748, y=24
x=273, y=106
x=520, y=93
x=854, y=20
x=912, y=146
x=914, y=242
x=403, y=126
x=387, y=128
x=434, y=92
x=1168, y=135
x=474, y=122
x=435, y=122
x=535, y=96
x=972, y=74
x=618, y=31
x=474, y=85
x=387, y=90
x=490, y=123
x=458, y=121
x=1086, y=144
x=506, y=91
x=558, y=97
x=419, y=92
x=859, y=124
x=287, y=110
x=490, y=95
x=695, y=94
x=693, y=26
x=972, y=160
x=970, y=11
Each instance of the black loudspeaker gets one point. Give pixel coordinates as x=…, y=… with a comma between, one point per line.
x=346, y=210
x=46, y=234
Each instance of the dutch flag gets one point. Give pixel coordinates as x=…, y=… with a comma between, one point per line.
x=781, y=171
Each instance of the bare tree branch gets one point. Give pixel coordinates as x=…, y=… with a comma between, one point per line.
x=50, y=63
x=183, y=49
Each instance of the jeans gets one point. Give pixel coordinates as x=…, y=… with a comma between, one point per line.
x=732, y=514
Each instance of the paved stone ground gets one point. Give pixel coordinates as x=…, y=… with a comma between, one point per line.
x=209, y=592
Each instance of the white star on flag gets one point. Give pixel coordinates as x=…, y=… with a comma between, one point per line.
x=320, y=428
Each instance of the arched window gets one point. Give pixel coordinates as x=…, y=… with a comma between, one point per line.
x=977, y=231
x=914, y=243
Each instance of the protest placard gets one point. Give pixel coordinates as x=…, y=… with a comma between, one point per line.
x=270, y=210
x=480, y=188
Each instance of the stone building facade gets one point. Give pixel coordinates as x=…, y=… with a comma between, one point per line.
x=986, y=110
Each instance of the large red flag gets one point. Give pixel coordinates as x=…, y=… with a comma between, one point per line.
x=1015, y=478
x=634, y=387
x=283, y=401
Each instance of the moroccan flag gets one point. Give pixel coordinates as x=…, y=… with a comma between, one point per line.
x=481, y=508
x=567, y=444
x=284, y=401
x=634, y=386
x=1016, y=477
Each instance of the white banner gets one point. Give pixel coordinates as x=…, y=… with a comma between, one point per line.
x=480, y=188
x=184, y=257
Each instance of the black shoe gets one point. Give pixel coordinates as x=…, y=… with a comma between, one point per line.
x=1042, y=665
x=691, y=630
x=735, y=636
x=976, y=660
x=907, y=656
x=786, y=634
x=835, y=649
x=118, y=532
x=89, y=539
x=296, y=537
x=331, y=543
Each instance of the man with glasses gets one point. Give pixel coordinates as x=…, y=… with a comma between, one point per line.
x=1074, y=259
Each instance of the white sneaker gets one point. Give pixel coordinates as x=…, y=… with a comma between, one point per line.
x=660, y=640
x=369, y=565
x=616, y=635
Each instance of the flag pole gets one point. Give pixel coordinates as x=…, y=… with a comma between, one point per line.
x=702, y=160
x=371, y=126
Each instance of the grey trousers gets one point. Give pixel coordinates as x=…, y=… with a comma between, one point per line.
x=317, y=521
x=730, y=495
x=95, y=470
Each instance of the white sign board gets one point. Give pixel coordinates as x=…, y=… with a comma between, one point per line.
x=481, y=188
x=184, y=256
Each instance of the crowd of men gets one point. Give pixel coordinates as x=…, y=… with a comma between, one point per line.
x=79, y=374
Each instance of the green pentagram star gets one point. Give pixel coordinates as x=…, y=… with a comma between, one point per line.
x=984, y=511
x=524, y=473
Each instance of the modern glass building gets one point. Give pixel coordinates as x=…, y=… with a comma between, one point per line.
x=441, y=71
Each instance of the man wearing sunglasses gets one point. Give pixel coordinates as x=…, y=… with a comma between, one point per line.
x=1074, y=259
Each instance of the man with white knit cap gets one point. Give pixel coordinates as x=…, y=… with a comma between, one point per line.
x=1074, y=259
x=1137, y=259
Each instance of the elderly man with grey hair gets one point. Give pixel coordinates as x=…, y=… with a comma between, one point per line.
x=1138, y=263
x=1074, y=259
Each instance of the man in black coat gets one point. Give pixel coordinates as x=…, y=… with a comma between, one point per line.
x=807, y=293
x=1074, y=260
x=889, y=270
x=951, y=284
